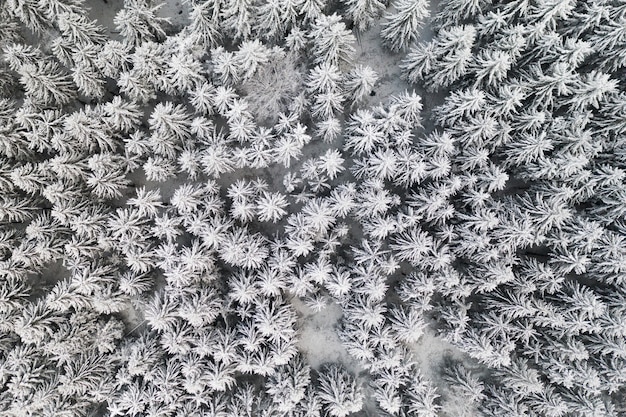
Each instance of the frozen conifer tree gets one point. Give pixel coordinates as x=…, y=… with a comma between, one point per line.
x=46, y=82
x=288, y=386
x=442, y=61
x=491, y=67
x=464, y=383
x=365, y=12
x=205, y=23
x=139, y=22
x=225, y=66
x=271, y=207
x=275, y=85
x=187, y=198
x=592, y=89
x=135, y=87
x=412, y=245
x=159, y=169
x=522, y=379
x=89, y=80
x=238, y=16
x=170, y=126
x=339, y=392
x=63, y=50
x=240, y=248
x=31, y=13
x=332, y=41
x=78, y=30
x=122, y=116
x=360, y=83
x=329, y=129
x=407, y=324
x=453, y=12
x=275, y=17
x=17, y=55
x=201, y=98
x=107, y=177
x=422, y=397
x=327, y=105
x=323, y=78
x=185, y=72
x=250, y=56
x=29, y=177
x=401, y=27
x=311, y=9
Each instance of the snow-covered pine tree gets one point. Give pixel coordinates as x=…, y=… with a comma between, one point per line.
x=83, y=373
x=225, y=66
x=288, y=385
x=107, y=178
x=241, y=248
x=138, y=21
x=204, y=24
x=216, y=159
x=522, y=379
x=491, y=67
x=238, y=18
x=159, y=169
x=332, y=41
x=135, y=87
x=592, y=89
x=311, y=9
x=150, y=65
x=187, y=198
x=88, y=79
x=113, y=58
x=454, y=12
x=339, y=392
x=388, y=398
x=501, y=400
x=365, y=12
x=45, y=82
x=170, y=128
x=78, y=30
x=249, y=57
x=421, y=397
x=327, y=105
x=121, y=116
x=276, y=87
x=466, y=384
x=31, y=14
x=407, y=324
x=324, y=77
x=329, y=129
x=401, y=27
x=275, y=17
x=271, y=207
x=360, y=83
x=87, y=131
x=443, y=60
x=31, y=178
x=185, y=72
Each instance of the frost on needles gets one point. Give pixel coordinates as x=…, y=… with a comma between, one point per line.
x=435, y=190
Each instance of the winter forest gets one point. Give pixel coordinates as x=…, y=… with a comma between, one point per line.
x=313, y=208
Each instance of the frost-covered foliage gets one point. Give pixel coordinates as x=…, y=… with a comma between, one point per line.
x=175, y=200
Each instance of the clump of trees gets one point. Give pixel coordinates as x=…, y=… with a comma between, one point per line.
x=205, y=179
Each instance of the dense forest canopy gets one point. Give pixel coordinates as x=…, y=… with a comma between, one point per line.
x=185, y=188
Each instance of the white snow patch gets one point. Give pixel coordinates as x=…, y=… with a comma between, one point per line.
x=317, y=336
x=430, y=351
x=369, y=51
